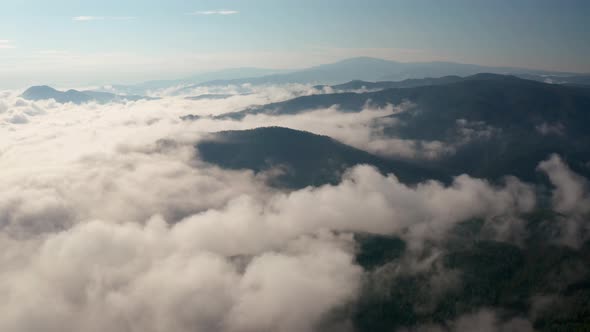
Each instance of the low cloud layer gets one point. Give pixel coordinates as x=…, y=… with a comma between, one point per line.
x=258, y=263
x=109, y=220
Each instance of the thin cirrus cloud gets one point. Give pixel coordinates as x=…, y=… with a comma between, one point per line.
x=215, y=12
x=84, y=18
x=5, y=44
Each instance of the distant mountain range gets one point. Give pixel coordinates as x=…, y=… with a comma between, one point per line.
x=495, y=124
x=582, y=81
x=361, y=68
x=214, y=96
x=357, y=85
x=225, y=74
x=74, y=96
x=371, y=69
x=352, y=101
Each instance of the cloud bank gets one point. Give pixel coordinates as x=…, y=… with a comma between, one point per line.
x=110, y=221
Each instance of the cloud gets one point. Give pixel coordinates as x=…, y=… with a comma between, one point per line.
x=110, y=221
x=102, y=18
x=215, y=12
x=6, y=44
x=363, y=129
x=88, y=18
x=87, y=208
x=18, y=119
x=484, y=320
x=571, y=198
x=255, y=264
x=546, y=129
x=127, y=277
x=572, y=192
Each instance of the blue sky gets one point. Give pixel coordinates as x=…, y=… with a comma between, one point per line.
x=83, y=42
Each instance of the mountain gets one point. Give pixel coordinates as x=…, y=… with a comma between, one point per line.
x=440, y=69
x=46, y=92
x=302, y=158
x=492, y=274
x=468, y=271
x=364, y=86
x=212, y=96
x=353, y=102
x=579, y=79
x=382, y=85
x=496, y=124
x=74, y=96
x=215, y=96
x=372, y=69
x=225, y=74
x=359, y=69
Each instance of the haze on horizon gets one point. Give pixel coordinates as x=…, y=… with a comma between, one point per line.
x=80, y=43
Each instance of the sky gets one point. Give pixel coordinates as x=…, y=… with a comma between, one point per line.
x=96, y=42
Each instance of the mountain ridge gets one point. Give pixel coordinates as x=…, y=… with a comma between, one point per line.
x=375, y=69
x=304, y=158
x=495, y=125
x=44, y=92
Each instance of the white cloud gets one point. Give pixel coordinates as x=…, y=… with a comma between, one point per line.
x=571, y=197
x=6, y=44
x=87, y=18
x=572, y=191
x=215, y=12
x=105, y=226
x=546, y=129
x=363, y=129
x=101, y=18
